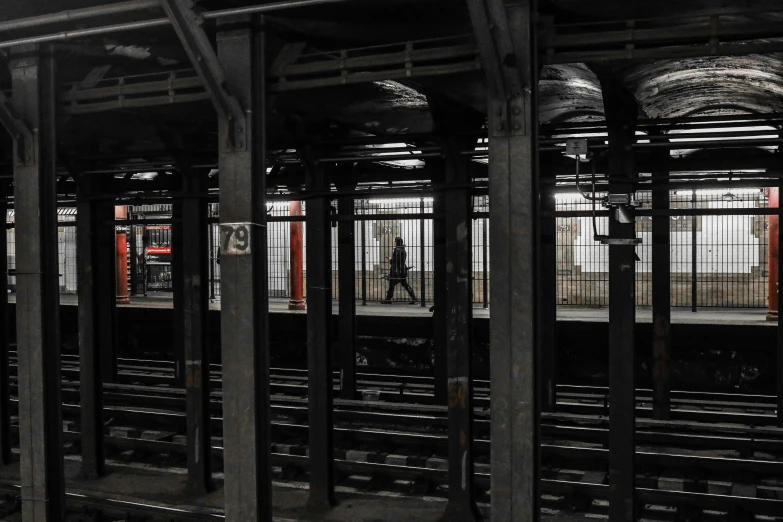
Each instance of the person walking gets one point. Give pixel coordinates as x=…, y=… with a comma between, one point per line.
x=398, y=272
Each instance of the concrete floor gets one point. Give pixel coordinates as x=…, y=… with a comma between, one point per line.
x=729, y=316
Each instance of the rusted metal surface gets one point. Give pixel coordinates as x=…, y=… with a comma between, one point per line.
x=296, y=302
x=121, y=265
x=244, y=302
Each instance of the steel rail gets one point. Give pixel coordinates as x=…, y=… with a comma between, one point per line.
x=428, y=416
x=592, y=455
x=121, y=507
x=404, y=381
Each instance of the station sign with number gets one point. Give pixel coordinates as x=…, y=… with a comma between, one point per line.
x=236, y=239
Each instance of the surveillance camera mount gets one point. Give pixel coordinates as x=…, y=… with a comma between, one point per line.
x=622, y=205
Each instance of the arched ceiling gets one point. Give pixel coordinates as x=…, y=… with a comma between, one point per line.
x=709, y=86
x=670, y=88
x=569, y=93
x=717, y=85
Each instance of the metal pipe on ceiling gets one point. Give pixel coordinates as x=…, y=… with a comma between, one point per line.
x=678, y=33
x=79, y=14
x=142, y=24
x=67, y=35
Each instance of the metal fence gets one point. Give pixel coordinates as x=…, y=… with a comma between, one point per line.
x=716, y=260
x=374, y=242
x=66, y=250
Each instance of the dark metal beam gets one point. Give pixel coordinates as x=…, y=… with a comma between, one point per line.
x=177, y=291
x=547, y=300
x=661, y=300
x=346, y=267
x=18, y=130
x=440, y=312
x=244, y=315
x=5, y=389
x=195, y=331
x=38, y=291
x=620, y=107
x=455, y=309
x=403, y=60
x=95, y=251
x=188, y=26
x=319, y=337
x=459, y=349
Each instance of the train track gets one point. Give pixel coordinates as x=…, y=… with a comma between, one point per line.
x=719, y=452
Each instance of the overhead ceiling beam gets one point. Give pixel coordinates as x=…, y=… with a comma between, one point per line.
x=293, y=70
x=18, y=130
x=95, y=75
x=189, y=28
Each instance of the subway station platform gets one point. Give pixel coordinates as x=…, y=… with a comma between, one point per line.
x=723, y=316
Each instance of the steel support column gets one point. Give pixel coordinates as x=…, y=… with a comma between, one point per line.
x=244, y=316
x=547, y=311
x=95, y=255
x=177, y=291
x=346, y=267
x=195, y=330
x=621, y=109
x=104, y=246
x=319, y=337
x=661, y=301
x=5, y=389
x=439, y=314
x=459, y=320
x=38, y=293
x=506, y=40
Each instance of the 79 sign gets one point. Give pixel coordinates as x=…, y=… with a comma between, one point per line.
x=235, y=239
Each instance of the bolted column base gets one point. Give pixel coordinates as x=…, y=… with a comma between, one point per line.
x=297, y=305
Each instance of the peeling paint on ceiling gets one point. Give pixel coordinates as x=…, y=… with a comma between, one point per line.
x=404, y=96
x=129, y=51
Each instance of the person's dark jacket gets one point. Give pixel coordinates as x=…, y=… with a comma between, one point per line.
x=398, y=261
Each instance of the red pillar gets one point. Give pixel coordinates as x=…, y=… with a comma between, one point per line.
x=121, y=212
x=774, y=256
x=296, y=268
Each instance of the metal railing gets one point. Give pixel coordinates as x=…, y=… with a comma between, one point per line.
x=716, y=260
